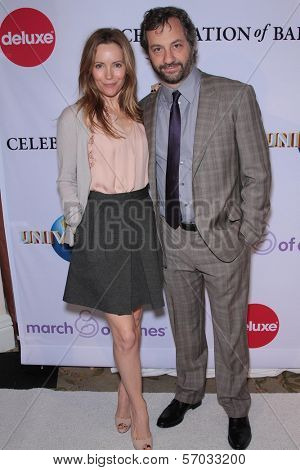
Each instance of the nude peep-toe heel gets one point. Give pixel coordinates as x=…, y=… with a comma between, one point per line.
x=122, y=424
x=142, y=444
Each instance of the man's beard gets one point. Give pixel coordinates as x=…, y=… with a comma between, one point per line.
x=184, y=70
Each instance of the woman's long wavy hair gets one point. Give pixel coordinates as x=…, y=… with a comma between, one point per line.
x=91, y=100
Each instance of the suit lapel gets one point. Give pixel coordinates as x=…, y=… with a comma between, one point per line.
x=150, y=126
x=206, y=117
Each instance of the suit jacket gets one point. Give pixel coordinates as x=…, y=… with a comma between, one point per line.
x=74, y=176
x=231, y=168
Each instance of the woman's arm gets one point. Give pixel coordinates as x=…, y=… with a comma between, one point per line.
x=67, y=164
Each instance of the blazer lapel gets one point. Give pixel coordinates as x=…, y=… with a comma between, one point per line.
x=150, y=127
x=206, y=117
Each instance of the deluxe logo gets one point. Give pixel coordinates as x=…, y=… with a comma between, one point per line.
x=24, y=38
x=27, y=37
x=262, y=325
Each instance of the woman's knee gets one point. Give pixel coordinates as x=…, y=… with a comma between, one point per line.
x=126, y=340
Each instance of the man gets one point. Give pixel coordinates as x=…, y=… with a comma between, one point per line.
x=209, y=174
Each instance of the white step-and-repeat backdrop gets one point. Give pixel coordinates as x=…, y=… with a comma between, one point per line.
x=41, y=43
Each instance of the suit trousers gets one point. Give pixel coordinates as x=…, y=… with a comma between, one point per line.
x=190, y=268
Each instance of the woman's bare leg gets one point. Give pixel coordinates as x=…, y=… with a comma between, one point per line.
x=123, y=409
x=126, y=344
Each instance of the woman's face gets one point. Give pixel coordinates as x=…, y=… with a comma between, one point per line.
x=109, y=69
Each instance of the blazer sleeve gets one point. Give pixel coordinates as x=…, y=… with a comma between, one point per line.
x=67, y=166
x=255, y=170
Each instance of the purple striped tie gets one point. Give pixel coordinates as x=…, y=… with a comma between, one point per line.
x=173, y=215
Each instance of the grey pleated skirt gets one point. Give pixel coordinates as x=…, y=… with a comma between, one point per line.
x=116, y=261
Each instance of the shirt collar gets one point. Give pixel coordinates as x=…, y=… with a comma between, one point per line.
x=187, y=88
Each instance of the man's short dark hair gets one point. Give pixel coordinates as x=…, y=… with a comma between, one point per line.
x=157, y=17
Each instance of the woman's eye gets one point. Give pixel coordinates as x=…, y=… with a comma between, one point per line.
x=98, y=66
x=118, y=65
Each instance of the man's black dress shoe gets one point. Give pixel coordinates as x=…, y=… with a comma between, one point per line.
x=174, y=413
x=239, y=433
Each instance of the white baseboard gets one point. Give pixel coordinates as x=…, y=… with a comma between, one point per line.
x=211, y=372
x=7, y=338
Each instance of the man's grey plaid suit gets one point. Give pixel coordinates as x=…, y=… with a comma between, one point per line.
x=231, y=187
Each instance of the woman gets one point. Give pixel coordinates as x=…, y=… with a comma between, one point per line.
x=103, y=183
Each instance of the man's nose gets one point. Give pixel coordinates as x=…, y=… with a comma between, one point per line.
x=169, y=56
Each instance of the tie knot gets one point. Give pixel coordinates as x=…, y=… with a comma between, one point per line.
x=176, y=95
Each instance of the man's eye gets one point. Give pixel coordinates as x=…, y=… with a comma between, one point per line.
x=177, y=46
x=157, y=49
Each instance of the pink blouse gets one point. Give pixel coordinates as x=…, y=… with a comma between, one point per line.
x=119, y=165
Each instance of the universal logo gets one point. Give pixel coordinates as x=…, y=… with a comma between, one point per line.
x=289, y=139
x=54, y=237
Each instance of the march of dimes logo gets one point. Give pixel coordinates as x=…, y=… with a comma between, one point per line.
x=86, y=326
x=269, y=244
x=27, y=37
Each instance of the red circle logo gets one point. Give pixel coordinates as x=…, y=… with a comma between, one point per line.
x=262, y=325
x=27, y=37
